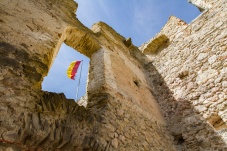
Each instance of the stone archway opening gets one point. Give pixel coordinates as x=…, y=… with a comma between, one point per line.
x=57, y=80
x=80, y=43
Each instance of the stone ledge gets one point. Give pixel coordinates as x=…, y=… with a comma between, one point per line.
x=172, y=26
x=153, y=45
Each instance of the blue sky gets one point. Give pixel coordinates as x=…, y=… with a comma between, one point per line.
x=138, y=19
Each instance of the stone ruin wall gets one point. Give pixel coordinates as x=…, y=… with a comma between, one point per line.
x=154, y=101
x=204, y=4
x=192, y=62
x=31, y=34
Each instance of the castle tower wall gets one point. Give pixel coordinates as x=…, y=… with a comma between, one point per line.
x=130, y=116
x=204, y=4
x=121, y=112
x=193, y=67
x=173, y=97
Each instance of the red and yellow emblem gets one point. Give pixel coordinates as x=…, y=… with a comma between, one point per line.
x=73, y=67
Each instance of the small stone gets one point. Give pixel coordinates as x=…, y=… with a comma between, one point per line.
x=205, y=116
x=221, y=107
x=212, y=59
x=224, y=84
x=111, y=135
x=222, y=14
x=224, y=70
x=216, y=64
x=205, y=144
x=149, y=138
x=214, y=98
x=121, y=137
x=190, y=86
x=9, y=149
x=200, y=108
x=10, y=136
x=127, y=135
x=110, y=128
x=205, y=76
x=192, y=119
x=218, y=24
x=202, y=56
x=218, y=80
x=114, y=142
x=36, y=121
x=120, y=112
x=115, y=135
x=126, y=120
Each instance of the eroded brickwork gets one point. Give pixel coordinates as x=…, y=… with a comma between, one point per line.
x=172, y=97
x=204, y=4
x=192, y=65
x=116, y=116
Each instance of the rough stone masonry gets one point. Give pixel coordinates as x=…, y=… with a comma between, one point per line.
x=171, y=94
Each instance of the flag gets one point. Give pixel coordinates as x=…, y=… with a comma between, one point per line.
x=72, y=69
